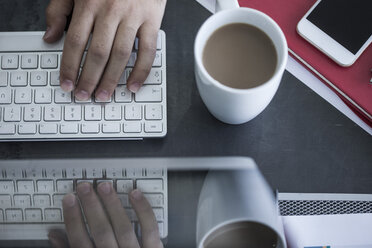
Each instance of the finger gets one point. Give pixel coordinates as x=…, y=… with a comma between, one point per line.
x=56, y=18
x=146, y=217
x=97, y=57
x=147, y=36
x=58, y=239
x=119, y=219
x=75, y=42
x=120, y=54
x=75, y=227
x=99, y=226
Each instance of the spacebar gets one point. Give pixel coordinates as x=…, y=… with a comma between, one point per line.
x=27, y=231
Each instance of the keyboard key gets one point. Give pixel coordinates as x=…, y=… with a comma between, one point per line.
x=159, y=213
x=149, y=93
x=49, y=61
x=42, y=201
x=89, y=128
x=132, y=127
x=18, y=78
x=54, y=78
x=5, y=95
x=123, y=78
x=153, y=112
x=22, y=201
x=39, y=78
x=25, y=186
x=113, y=113
x=93, y=173
x=7, y=128
x=9, y=61
x=72, y=113
x=6, y=187
x=28, y=128
x=52, y=215
x=132, y=59
x=29, y=61
x=34, y=173
x=53, y=173
x=43, y=95
x=161, y=229
x=32, y=113
x=48, y=128
x=57, y=200
x=111, y=127
x=114, y=173
x=22, y=95
x=155, y=200
x=1, y=216
x=157, y=60
x=133, y=112
x=154, y=172
x=93, y=113
x=153, y=127
x=124, y=200
x=52, y=113
x=61, y=96
x=14, y=215
x=69, y=128
x=154, y=77
x=12, y=113
x=5, y=201
x=15, y=173
x=150, y=185
x=74, y=173
x=45, y=186
x=65, y=186
x=124, y=186
x=3, y=78
x=33, y=215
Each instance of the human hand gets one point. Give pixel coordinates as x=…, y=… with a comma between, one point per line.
x=108, y=223
x=115, y=24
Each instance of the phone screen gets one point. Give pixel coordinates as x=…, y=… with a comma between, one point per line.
x=349, y=22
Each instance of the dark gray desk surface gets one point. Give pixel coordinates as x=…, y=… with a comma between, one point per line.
x=300, y=142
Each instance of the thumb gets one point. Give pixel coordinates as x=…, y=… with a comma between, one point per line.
x=56, y=18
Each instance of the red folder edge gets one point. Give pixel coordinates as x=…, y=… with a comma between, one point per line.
x=351, y=84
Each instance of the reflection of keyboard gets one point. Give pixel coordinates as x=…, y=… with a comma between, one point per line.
x=33, y=106
x=31, y=192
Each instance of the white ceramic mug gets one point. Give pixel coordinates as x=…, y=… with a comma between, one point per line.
x=230, y=105
x=234, y=197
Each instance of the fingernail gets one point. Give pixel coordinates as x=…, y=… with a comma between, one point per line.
x=83, y=188
x=69, y=200
x=104, y=187
x=47, y=33
x=102, y=95
x=136, y=194
x=67, y=85
x=82, y=95
x=134, y=87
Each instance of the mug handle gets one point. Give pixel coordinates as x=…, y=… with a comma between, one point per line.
x=226, y=4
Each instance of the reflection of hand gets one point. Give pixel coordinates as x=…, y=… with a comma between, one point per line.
x=115, y=24
x=108, y=223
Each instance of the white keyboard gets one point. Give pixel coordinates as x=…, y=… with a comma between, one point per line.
x=34, y=107
x=31, y=192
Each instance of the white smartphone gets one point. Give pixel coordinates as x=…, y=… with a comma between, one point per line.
x=342, y=29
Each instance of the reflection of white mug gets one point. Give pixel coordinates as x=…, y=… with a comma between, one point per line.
x=237, y=197
x=230, y=105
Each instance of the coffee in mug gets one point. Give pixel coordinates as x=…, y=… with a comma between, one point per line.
x=240, y=56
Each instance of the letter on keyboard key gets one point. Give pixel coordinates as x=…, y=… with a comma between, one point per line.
x=6, y=187
x=5, y=95
x=14, y=215
x=154, y=77
x=32, y=113
x=93, y=173
x=69, y=128
x=7, y=129
x=65, y=186
x=43, y=95
x=12, y=113
x=93, y=113
x=74, y=173
x=45, y=186
x=153, y=112
x=133, y=112
x=5, y=201
x=112, y=112
x=157, y=60
x=9, y=61
x=29, y=61
x=18, y=78
x=132, y=127
x=159, y=214
x=62, y=97
x=39, y=78
x=150, y=185
x=22, y=201
x=42, y=201
x=25, y=186
x=22, y=95
x=49, y=61
x=154, y=172
x=48, y=128
x=15, y=173
x=52, y=113
x=149, y=93
x=34, y=173
x=57, y=200
x=54, y=78
x=122, y=94
x=3, y=78
x=90, y=128
x=53, y=173
x=33, y=215
x=124, y=186
x=153, y=127
x=53, y=215
x=155, y=200
x=72, y=113
x=27, y=128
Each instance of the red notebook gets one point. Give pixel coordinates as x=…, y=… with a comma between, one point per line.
x=350, y=83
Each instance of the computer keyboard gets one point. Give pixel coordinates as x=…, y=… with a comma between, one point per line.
x=34, y=107
x=31, y=192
